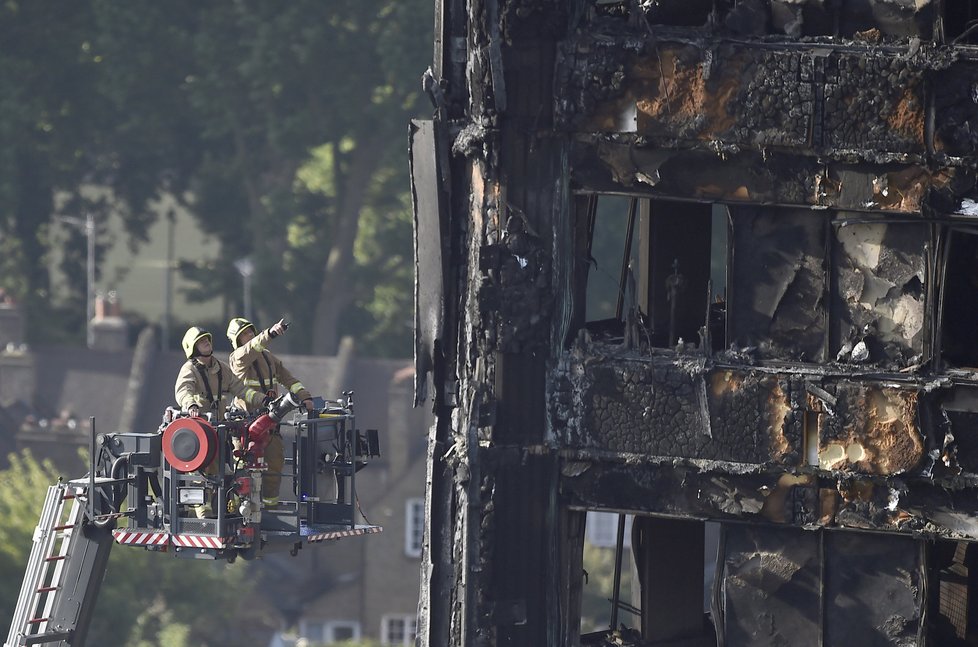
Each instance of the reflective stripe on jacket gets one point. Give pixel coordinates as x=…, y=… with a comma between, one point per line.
x=253, y=363
x=190, y=389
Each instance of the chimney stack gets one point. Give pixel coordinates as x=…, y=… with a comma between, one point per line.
x=109, y=330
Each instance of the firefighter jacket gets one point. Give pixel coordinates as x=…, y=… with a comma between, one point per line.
x=260, y=370
x=191, y=387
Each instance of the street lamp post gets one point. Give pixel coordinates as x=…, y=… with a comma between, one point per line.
x=168, y=280
x=88, y=226
x=246, y=267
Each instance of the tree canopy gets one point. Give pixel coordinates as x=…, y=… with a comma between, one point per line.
x=281, y=126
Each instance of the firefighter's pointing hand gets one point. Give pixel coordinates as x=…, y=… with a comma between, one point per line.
x=278, y=328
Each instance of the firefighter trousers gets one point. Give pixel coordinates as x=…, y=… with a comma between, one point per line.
x=271, y=482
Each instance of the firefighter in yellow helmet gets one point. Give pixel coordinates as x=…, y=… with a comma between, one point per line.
x=204, y=382
x=260, y=370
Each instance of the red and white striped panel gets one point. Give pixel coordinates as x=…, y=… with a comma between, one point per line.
x=131, y=538
x=339, y=534
x=197, y=541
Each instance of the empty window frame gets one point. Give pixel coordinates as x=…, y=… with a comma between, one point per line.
x=960, y=21
x=607, y=600
x=679, y=13
x=678, y=284
x=892, y=20
x=663, y=259
x=959, y=301
x=612, y=221
x=657, y=574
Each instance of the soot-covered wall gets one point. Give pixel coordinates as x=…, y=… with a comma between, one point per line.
x=831, y=148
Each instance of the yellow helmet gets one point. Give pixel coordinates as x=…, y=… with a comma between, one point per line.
x=190, y=339
x=236, y=327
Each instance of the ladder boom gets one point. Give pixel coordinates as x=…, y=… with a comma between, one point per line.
x=64, y=573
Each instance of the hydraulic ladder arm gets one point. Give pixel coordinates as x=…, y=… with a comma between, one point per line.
x=64, y=572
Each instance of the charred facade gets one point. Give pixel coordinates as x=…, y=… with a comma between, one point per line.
x=701, y=261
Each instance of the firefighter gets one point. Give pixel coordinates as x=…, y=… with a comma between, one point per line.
x=204, y=381
x=202, y=385
x=260, y=370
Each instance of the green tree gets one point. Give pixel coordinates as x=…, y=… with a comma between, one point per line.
x=599, y=564
x=39, y=124
x=302, y=143
x=147, y=599
x=71, y=148
x=23, y=487
x=282, y=126
x=157, y=626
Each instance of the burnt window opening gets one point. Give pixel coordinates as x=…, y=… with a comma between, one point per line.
x=777, y=302
x=959, y=303
x=678, y=244
x=612, y=221
x=608, y=591
x=778, y=17
x=816, y=287
x=656, y=271
x=849, y=19
x=719, y=263
x=878, y=290
x=650, y=579
x=960, y=21
x=805, y=18
x=895, y=21
x=818, y=588
x=743, y=17
x=678, y=13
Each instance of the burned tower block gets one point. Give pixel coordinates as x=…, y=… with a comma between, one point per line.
x=711, y=265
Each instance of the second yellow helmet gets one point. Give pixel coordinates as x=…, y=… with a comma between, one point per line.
x=235, y=327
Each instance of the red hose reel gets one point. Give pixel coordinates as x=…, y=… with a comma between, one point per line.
x=189, y=444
